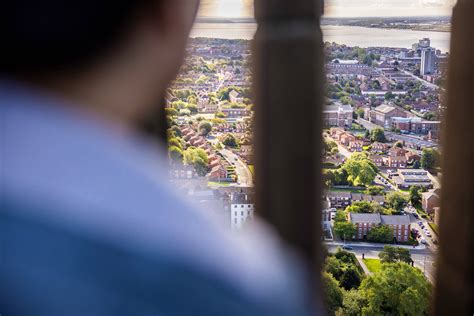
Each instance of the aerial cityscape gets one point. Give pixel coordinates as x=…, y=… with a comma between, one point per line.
x=382, y=117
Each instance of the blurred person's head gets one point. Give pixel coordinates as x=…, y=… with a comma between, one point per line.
x=115, y=57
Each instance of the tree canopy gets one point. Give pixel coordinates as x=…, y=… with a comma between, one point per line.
x=360, y=169
x=380, y=233
x=430, y=158
x=205, y=128
x=398, y=289
x=345, y=230
x=378, y=135
x=391, y=254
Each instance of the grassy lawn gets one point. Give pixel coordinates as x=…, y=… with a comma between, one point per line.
x=252, y=169
x=434, y=227
x=219, y=184
x=373, y=265
x=347, y=190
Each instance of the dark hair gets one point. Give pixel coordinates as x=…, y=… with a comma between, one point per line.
x=49, y=35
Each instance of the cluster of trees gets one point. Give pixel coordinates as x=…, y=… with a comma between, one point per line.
x=175, y=144
x=330, y=147
x=197, y=158
x=360, y=170
x=391, y=254
x=415, y=195
x=204, y=128
x=342, y=228
x=378, y=135
x=430, y=158
x=230, y=141
x=398, y=289
x=335, y=177
x=380, y=233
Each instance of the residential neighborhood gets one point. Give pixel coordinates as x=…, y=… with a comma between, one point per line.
x=381, y=144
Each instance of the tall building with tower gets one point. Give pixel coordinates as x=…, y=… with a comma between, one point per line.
x=428, y=61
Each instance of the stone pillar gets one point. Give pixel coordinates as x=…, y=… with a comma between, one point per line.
x=288, y=56
x=454, y=290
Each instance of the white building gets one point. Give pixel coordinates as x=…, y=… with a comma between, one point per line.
x=242, y=209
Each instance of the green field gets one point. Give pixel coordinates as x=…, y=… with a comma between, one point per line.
x=252, y=170
x=219, y=184
x=374, y=265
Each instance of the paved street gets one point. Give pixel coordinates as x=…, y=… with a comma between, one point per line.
x=244, y=175
x=424, y=258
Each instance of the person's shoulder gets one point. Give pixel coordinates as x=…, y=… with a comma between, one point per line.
x=100, y=188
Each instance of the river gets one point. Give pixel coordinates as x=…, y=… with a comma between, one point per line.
x=349, y=35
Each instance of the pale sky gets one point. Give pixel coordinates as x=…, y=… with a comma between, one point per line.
x=338, y=8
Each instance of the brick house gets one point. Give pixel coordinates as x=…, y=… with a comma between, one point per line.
x=346, y=138
x=429, y=201
x=397, y=161
x=377, y=160
x=364, y=222
x=379, y=147
x=218, y=173
x=356, y=145
x=339, y=199
x=344, y=199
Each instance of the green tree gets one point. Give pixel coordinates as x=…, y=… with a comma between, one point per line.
x=375, y=190
x=176, y=130
x=360, y=112
x=344, y=230
x=415, y=196
x=205, y=128
x=365, y=207
x=175, y=142
x=360, y=169
x=352, y=303
x=399, y=144
x=378, y=135
x=340, y=216
x=230, y=141
x=350, y=278
x=197, y=158
x=396, y=200
x=398, y=289
x=334, y=266
x=193, y=109
x=389, y=95
x=332, y=293
x=175, y=153
x=391, y=254
x=380, y=233
x=429, y=158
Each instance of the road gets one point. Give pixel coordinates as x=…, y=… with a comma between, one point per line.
x=424, y=259
x=244, y=176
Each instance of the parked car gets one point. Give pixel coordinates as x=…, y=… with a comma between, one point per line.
x=415, y=215
x=347, y=247
x=423, y=241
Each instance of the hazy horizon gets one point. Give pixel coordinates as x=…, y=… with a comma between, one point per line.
x=338, y=8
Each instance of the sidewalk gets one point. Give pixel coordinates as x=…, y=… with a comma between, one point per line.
x=374, y=245
x=362, y=264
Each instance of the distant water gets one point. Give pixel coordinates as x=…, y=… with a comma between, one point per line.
x=349, y=35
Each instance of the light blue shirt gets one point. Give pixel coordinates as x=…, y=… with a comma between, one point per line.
x=90, y=226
